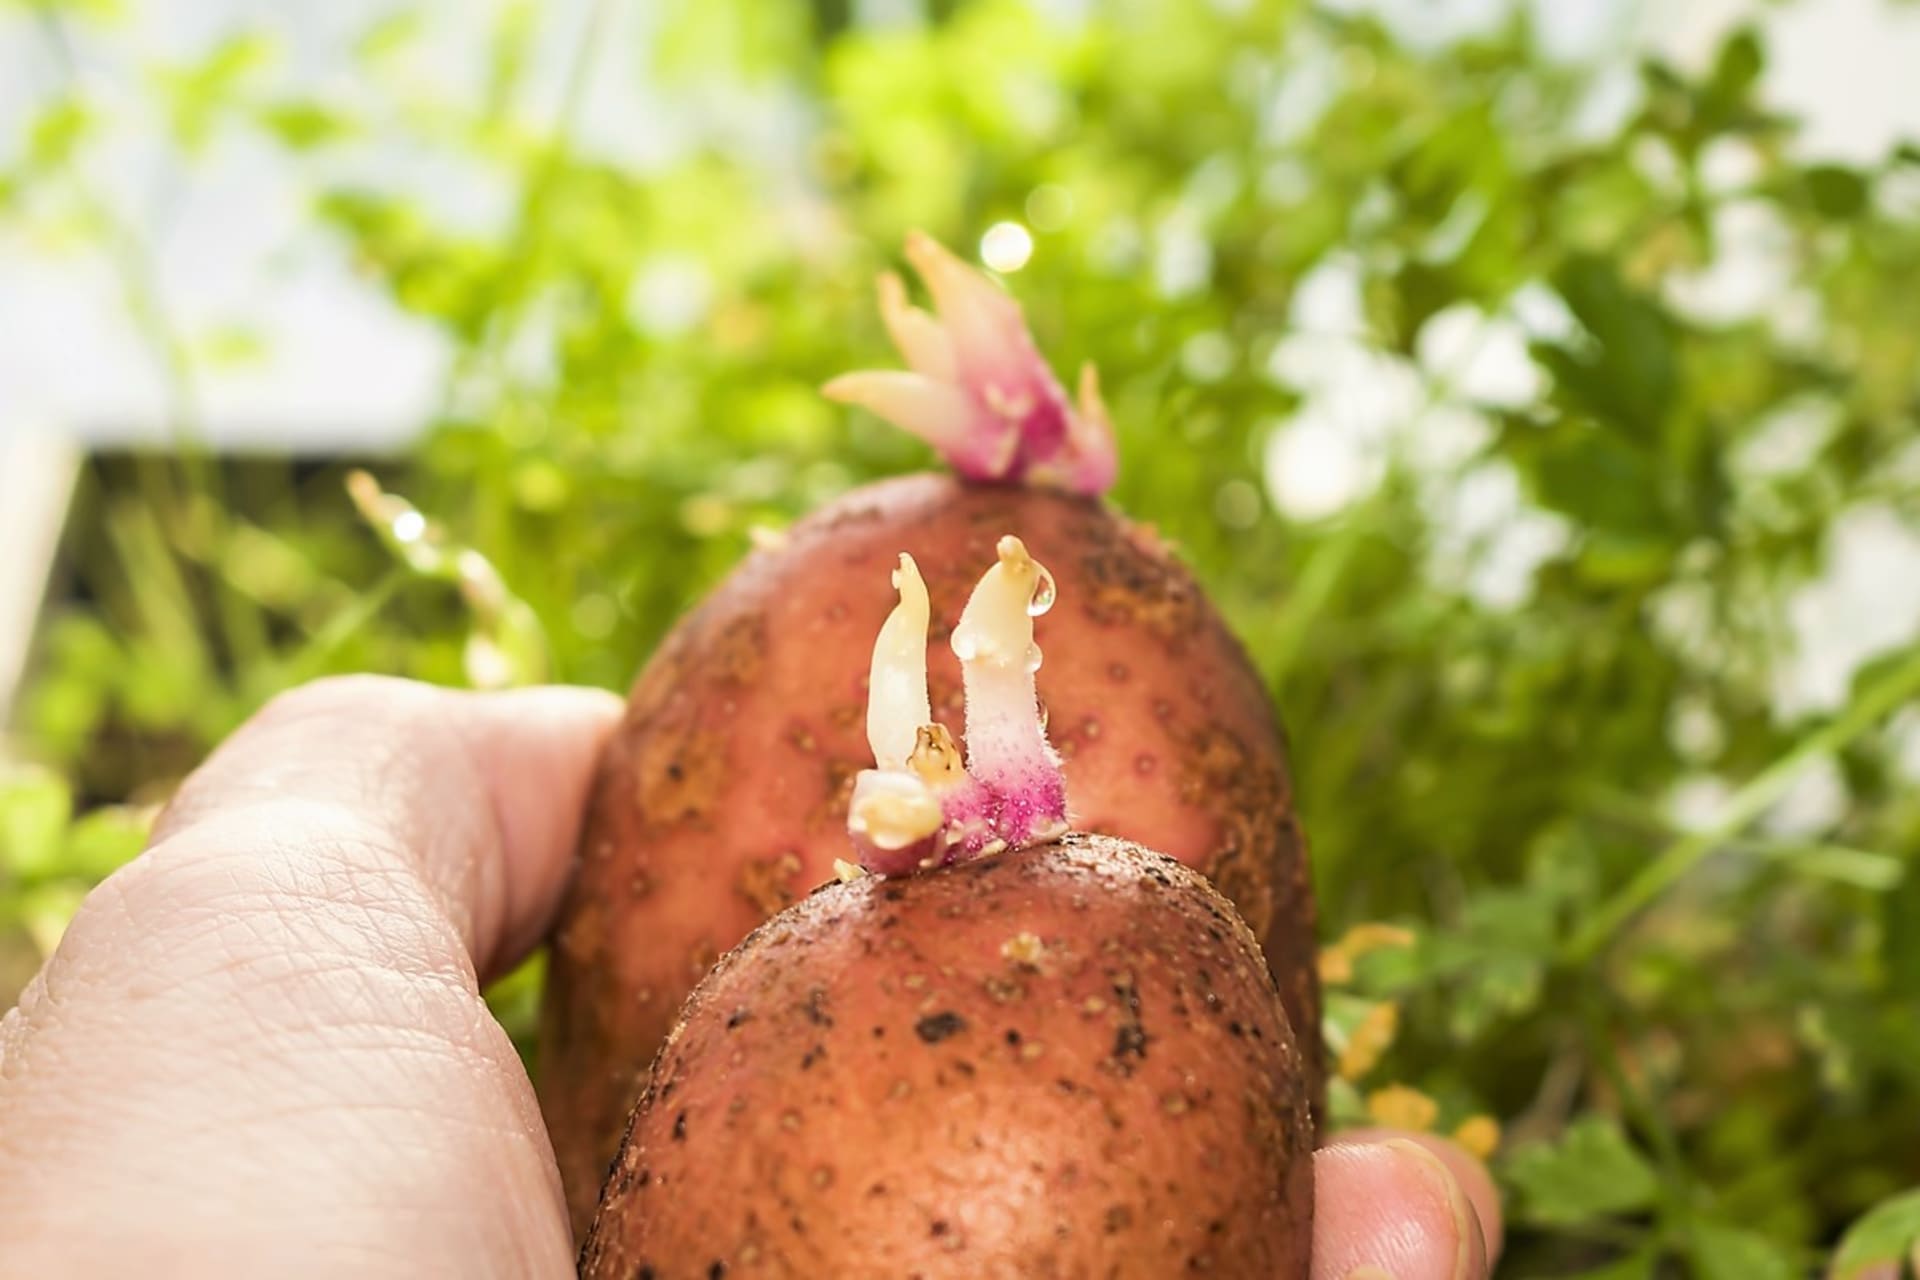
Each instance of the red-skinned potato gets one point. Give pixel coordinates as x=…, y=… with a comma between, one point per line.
x=1062, y=1061
x=724, y=795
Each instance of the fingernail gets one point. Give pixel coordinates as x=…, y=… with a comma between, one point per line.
x=1369, y=1273
x=1470, y=1260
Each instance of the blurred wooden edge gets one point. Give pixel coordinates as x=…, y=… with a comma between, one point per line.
x=37, y=473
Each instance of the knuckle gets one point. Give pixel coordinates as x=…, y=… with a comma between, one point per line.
x=237, y=891
x=343, y=695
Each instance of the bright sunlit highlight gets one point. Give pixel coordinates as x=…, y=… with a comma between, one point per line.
x=1006, y=246
x=408, y=526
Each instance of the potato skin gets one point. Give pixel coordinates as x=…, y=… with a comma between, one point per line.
x=1068, y=1061
x=723, y=795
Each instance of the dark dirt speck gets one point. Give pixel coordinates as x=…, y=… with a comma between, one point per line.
x=936, y=1027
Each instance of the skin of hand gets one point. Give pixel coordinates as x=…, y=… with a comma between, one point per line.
x=261, y=1049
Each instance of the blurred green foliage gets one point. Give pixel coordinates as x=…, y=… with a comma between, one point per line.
x=1701, y=1035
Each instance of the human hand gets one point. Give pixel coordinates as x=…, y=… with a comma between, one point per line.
x=261, y=1046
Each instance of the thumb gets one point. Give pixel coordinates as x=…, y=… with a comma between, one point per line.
x=1406, y=1206
x=479, y=794
x=261, y=1047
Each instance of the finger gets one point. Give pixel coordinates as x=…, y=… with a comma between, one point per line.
x=1469, y=1172
x=1396, y=1207
x=261, y=1047
x=480, y=794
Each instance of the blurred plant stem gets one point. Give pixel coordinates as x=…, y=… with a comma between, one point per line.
x=315, y=657
x=1887, y=694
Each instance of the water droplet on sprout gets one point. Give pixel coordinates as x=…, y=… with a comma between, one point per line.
x=1043, y=593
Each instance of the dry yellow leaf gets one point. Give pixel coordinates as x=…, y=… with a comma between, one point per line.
x=1369, y=1040
x=1479, y=1135
x=1398, y=1106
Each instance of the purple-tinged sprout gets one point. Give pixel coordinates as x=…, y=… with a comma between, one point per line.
x=920, y=807
x=895, y=822
x=977, y=389
x=1007, y=749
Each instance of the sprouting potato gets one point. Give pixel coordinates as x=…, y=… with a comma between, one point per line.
x=724, y=796
x=1004, y=1050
